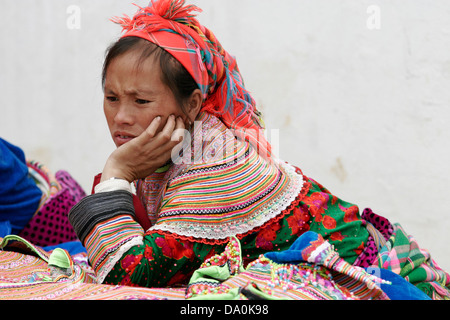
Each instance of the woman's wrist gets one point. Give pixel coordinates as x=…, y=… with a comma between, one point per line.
x=113, y=184
x=112, y=171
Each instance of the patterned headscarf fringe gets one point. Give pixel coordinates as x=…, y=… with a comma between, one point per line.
x=166, y=10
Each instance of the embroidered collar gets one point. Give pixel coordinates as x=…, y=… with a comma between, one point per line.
x=224, y=189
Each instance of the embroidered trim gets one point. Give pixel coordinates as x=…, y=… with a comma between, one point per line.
x=250, y=222
x=306, y=185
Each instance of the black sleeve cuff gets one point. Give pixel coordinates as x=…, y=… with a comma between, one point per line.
x=95, y=208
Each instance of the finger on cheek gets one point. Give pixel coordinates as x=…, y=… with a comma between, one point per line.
x=180, y=123
x=152, y=129
x=169, y=126
x=178, y=135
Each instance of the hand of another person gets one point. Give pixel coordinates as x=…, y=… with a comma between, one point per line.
x=142, y=155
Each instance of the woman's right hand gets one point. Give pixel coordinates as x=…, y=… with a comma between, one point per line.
x=142, y=155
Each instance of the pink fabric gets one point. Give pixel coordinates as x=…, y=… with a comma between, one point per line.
x=50, y=225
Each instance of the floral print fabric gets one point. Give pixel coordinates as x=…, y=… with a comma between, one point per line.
x=164, y=260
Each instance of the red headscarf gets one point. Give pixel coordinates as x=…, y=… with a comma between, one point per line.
x=172, y=26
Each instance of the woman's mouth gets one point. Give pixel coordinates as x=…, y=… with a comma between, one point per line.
x=122, y=138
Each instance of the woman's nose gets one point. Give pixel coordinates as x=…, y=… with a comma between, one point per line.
x=124, y=115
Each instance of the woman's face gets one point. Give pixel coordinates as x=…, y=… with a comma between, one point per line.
x=133, y=97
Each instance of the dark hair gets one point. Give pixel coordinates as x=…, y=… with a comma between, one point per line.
x=173, y=74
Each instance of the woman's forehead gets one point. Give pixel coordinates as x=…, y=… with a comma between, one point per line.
x=130, y=68
x=134, y=61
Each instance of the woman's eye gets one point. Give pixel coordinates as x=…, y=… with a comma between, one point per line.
x=142, y=101
x=111, y=99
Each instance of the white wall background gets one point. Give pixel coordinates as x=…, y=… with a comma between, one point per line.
x=360, y=97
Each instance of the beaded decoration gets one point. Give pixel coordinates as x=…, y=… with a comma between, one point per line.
x=313, y=280
x=315, y=272
x=230, y=260
x=231, y=257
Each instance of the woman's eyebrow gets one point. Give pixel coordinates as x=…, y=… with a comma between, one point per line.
x=137, y=92
x=146, y=91
x=109, y=91
x=132, y=92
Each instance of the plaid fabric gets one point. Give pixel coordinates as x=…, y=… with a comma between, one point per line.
x=403, y=256
x=172, y=26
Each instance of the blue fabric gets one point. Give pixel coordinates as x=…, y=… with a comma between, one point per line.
x=19, y=194
x=73, y=247
x=5, y=228
x=294, y=253
x=400, y=289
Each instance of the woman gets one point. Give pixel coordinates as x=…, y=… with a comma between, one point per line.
x=168, y=74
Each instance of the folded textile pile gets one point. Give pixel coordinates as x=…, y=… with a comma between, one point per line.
x=402, y=257
x=310, y=270
x=34, y=202
x=27, y=272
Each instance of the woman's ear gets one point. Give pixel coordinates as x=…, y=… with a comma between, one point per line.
x=194, y=104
